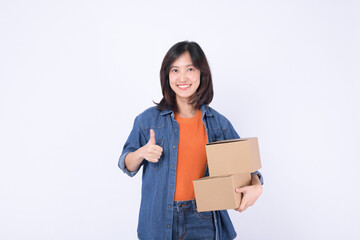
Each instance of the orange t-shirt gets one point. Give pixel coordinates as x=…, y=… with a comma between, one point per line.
x=191, y=156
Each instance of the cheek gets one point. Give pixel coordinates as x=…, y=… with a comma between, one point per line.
x=172, y=77
x=196, y=77
x=171, y=80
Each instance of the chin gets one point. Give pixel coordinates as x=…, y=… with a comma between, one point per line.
x=184, y=96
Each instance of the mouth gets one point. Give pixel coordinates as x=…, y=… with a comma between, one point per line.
x=184, y=86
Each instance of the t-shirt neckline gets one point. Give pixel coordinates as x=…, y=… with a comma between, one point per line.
x=198, y=112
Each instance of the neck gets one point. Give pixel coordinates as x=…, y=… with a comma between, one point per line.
x=185, y=109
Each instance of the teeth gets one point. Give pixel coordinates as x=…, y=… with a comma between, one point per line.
x=184, y=86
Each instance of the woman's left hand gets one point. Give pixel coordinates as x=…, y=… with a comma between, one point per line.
x=250, y=194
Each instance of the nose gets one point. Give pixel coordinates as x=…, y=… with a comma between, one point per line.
x=182, y=77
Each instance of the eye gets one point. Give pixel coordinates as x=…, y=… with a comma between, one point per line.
x=191, y=69
x=174, y=70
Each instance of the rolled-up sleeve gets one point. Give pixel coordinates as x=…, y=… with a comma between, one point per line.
x=135, y=141
x=259, y=175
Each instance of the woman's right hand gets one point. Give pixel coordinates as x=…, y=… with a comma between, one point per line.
x=151, y=151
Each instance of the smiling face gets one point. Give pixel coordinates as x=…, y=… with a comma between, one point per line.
x=184, y=78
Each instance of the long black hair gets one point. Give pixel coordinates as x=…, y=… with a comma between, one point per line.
x=204, y=94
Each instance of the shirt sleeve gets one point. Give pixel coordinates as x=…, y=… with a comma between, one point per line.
x=230, y=132
x=135, y=141
x=260, y=176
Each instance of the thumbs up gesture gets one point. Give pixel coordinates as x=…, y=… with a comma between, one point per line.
x=152, y=152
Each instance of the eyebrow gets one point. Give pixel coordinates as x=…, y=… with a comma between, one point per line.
x=190, y=65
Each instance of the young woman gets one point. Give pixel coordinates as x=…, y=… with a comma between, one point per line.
x=168, y=141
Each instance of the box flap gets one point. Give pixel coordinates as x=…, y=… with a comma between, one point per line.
x=230, y=140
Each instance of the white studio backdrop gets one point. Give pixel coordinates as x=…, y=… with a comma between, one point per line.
x=74, y=75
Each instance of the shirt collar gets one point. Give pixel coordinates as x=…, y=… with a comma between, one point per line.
x=166, y=111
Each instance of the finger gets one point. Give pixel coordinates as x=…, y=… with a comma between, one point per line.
x=243, y=209
x=154, y=160
x=241, y=201
x=152, y=137
x=151, y=156
x=155, y=153
x=242, y=205
x=242, y=189
x=156, y=148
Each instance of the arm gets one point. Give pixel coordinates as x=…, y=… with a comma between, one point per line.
x=136, y=150
x=150, y=152
x=133, y=160
x=135, y=141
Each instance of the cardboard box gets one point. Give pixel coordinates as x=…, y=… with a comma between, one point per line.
x=218, y=193
x=234, y=156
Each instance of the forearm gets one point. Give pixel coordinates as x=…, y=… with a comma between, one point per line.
x=134, y=159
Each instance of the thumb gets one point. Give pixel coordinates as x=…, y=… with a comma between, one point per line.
x=152, y=137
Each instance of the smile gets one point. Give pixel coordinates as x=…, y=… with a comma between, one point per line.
x=184, y=86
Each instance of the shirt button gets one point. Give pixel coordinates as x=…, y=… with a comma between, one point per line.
x=175, y=130
x=171, y=186
x=168, y=226
x=169, y=206
x=172, y=165
x=174, y=146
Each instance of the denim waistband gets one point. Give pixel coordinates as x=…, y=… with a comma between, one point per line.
x=184, y=205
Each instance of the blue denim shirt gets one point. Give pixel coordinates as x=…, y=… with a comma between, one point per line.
x=159, y=179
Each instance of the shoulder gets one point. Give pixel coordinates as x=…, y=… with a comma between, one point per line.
x=212, y=113
x=221, y=122
x=151, y=117
x=150, y=112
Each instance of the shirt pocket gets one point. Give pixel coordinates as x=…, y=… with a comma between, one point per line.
x=216, y=135
x=157, y=165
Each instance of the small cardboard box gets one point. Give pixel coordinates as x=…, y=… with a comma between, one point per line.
x=235, y=156
x=218, y=193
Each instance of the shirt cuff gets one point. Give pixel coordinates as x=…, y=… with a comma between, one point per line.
x=259, y=175
x=122, y=166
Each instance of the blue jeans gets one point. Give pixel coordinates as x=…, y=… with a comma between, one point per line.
x=188, y=223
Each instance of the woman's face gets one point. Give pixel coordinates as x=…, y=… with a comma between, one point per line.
x=184, y=77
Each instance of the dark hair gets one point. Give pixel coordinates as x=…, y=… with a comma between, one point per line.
x=204, y=94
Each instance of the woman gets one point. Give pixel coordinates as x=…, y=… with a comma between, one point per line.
x=168, y=140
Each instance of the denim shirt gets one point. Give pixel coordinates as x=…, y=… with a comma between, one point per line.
x=159, y=179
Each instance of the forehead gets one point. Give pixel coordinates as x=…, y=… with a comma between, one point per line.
x=183, y=60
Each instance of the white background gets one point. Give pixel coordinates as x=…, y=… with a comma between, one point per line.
x=74, y=75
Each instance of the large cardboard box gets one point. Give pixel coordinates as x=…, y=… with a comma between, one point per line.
x=234, y=156
x=218, y=193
